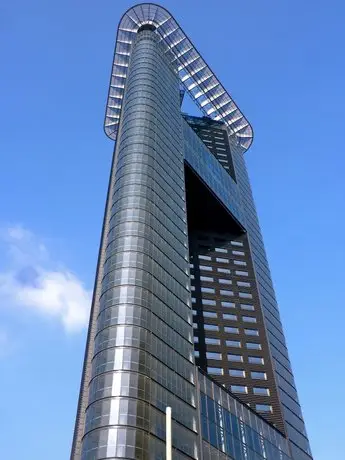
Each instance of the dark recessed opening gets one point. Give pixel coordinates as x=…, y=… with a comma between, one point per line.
x=150, y=27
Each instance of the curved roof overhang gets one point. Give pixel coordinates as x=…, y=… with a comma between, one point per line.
x=195, y=75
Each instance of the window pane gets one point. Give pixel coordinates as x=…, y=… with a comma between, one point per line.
x=251, y=332
x=238, y=389
x=249, y=319
x=232, y=330
x=258, y=375
x=205, y=268
x=261, y=391
x=212, y=355
x=237, y=372
x=228, y=304
x=253, y=346
x=235, y=358
x=233, y=343
x=210, y=314
x=211, y=327
x=255, y=360
x=210, y=341
x=215, y=370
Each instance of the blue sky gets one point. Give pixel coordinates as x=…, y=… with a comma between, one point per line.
x=282, y=62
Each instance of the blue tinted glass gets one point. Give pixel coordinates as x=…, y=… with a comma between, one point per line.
x=210, y=409
x=237, y=449
x=235, y=428
x=203, y=404
x=213, y=435
x=248, y=436
x=204, y=428
x=227, y=421
x=256, y=442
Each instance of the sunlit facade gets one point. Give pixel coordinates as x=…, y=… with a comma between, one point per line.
x=184, y=312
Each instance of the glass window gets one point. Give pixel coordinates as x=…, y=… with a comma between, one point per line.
x=246, y=306
x=192, y=288
x=227, y=304
x=196, y=354
x=224, y=251
x=243, y=283
x=249, y=319
x=230, y=316
x=191, y=265
x=238, y=389
x=255, y=360
x=223, y=270
x=251, y=332
x=245, y=295
x=192, y=277
x=221, y=260
x=195, y=326
x=196, y=339
x=232, y=330
x=193, y=300
x=202, y=257
x=209, y=314
x=258, y=375
x=253, y=346
x=226, y=292
x=235, y=358
x=233, y=343
x=263, y=408
x=238, y=253
x=206, y=278
x=224, y=281
x=211, y=327
x=210, y=341
x=215, y=370
x=236, y=243
x=237, y=372
x=241, y=273
x=261, y=391
x=205, y=268
x=212, y=355
x=207, y=290
x=240, y=262
x=208, y=302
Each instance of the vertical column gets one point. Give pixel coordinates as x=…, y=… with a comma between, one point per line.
x=143, y=348
x=291, y=410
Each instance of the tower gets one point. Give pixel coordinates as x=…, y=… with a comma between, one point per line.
x=184, y=312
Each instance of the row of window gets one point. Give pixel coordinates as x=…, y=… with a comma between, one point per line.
x=235, y=358
x=228, y=316
x=210, y=279
x=227, y=271
x=230, y=343
x=224, y=260
x=213, y=303
x=226, y=292
x=255, y=375
x=231, y=330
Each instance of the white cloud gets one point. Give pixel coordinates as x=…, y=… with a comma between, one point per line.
x=32, y=280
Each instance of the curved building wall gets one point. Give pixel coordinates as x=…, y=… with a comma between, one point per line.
x=143, y=349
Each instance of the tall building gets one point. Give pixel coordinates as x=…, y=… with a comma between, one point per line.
x=184, y=312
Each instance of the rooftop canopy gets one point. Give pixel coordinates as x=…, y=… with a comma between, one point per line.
x=195, y=75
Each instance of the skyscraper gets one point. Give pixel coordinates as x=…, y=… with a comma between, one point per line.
x=184, y=312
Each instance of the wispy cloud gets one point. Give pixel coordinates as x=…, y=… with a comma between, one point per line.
x=31, y=279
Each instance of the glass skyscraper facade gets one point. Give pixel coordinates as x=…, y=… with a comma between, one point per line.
x=183, y=312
